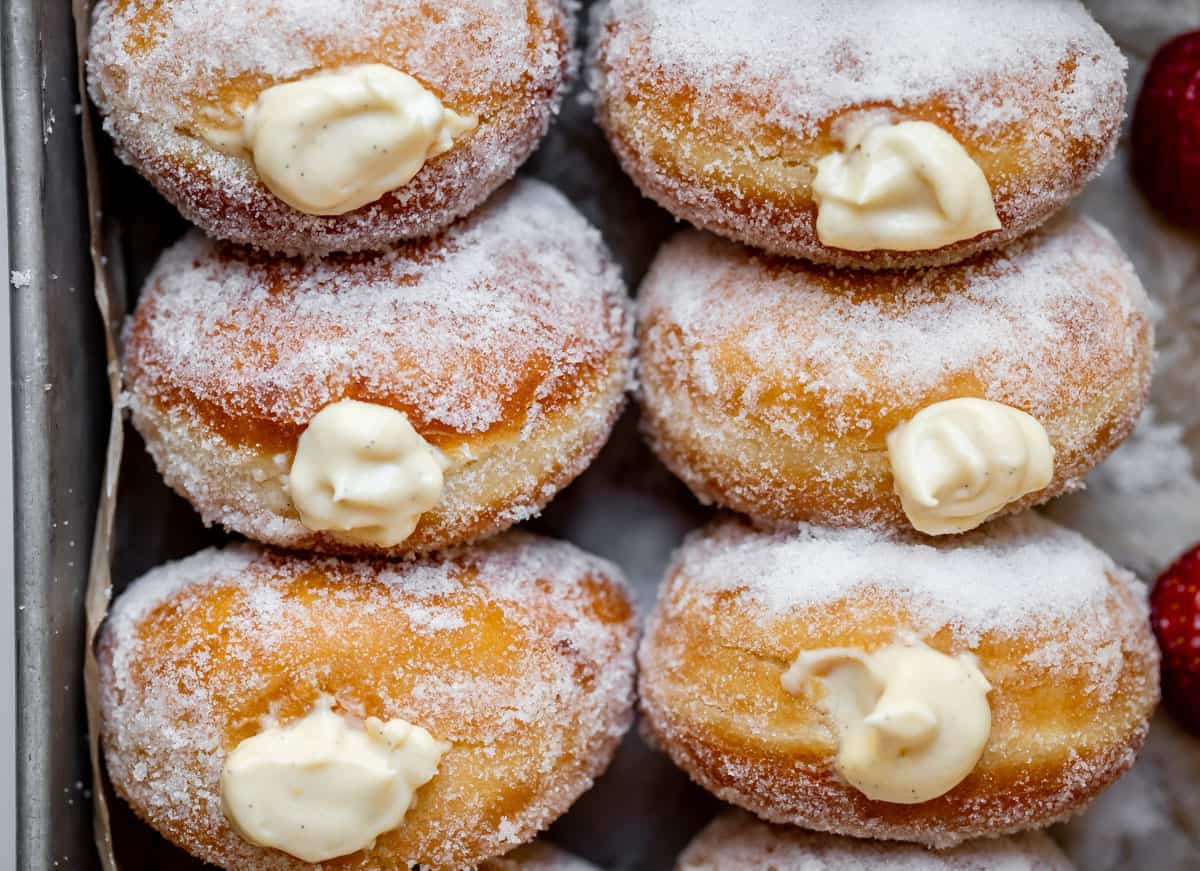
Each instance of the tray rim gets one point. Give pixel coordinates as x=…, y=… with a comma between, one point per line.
x=56, y=469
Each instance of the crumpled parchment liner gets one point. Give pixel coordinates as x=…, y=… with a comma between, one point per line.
x=1143, y=505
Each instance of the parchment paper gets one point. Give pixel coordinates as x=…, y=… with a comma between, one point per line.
x=1143, y=505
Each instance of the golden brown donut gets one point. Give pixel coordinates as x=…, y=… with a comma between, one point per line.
x=770, y=386
x=720, y=111
x=505, y=342
x=1059, y=632
x=735, y=841
x=158, y=70
x=519, y=653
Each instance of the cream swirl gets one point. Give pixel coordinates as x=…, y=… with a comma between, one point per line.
x=958, y=462
x=326, y=786
x=912, y=722
x=900, y=187
x=364, y=474
x=336, y=141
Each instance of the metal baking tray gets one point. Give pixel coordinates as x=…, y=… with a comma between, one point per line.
x=626, y=507
x=63, y=415
x=61, y=410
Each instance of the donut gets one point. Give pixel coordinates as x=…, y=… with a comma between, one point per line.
x=446, y=389
x=878, y=685
x=340, y=126
x=538, y=856
x=735, y=841
x=793, y=392
x=875, y=135
x=512, y=662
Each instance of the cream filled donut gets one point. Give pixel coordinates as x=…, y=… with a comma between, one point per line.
x=266, y=711
x=340, y=126
x=882, y=686
x=390, y=403
x=858, y=133
x=735, y=841
x=931, y=400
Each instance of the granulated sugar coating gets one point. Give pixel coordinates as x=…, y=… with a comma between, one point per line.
x=817, y=57
x=770, y=385
x=160, y=71
x=519, y=653
x=720, y=110
x=1006, y=578
x=1059, y=632
x=520, y=300
x=736, y=841
x=505, y=341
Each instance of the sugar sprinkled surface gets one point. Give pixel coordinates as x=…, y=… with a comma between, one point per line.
x=753, y=359
x=154, y=67
x=818, y=56
x=452, y=326
x=736, y=840
x=196, y=46
x=164, y=737
x=1040, y=605
x=1007, y=576
x=1154, y=459
x=1152, y=475
x=506, y=341
x=720, y=111
x=1032, y=297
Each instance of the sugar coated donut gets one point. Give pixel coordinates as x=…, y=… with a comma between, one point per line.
x=875, y=685
x=390, y=403
x=735, y=841
x=241, y=673
x=793, y=392
x=336, y=126
x=538, y=856
x=858, y=133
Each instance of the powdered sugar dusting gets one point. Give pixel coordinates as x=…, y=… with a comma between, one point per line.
x=1154, y=459
x=736, y=840
x=451, y=328
x=757, y=360
x=1015, y=573
x=570, y=682
x=816, y=57
x=720, y=111
x=506, y=342
x=1057, y=627
x=1033, y=296
x=156, y=69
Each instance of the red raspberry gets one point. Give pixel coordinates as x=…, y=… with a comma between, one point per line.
x=1166, y=131
x=1175, y=616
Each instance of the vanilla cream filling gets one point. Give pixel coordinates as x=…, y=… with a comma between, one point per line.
x=958, y=462
x=363, y=473
x=900, y=187
x=912, y=722
x=326, y=786
x=336, y=141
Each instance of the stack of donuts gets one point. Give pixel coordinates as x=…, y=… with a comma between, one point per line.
x=884, y=341
x=373, y=356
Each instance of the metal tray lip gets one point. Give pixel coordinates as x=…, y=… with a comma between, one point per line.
x=55, y=420
x=20, y=49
